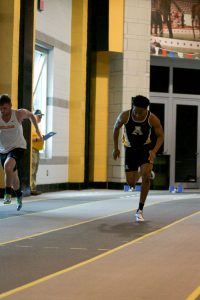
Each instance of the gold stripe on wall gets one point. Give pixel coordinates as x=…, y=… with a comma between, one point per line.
x=77, y=103
x=9, y=36
x=9, y=53
x=116, y=25
x=99, y=110
x=15, y=53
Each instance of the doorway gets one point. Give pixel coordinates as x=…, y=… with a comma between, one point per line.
x=179, y=105
x=185, y=141
x=180, y=119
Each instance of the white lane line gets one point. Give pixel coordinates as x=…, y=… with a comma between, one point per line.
x=48, y=247
x=103, y=249
x=78, y=248
x=23, y=246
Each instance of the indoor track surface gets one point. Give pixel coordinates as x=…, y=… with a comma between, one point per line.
x=86, y=245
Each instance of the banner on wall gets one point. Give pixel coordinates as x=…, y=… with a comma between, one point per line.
x=175, y=28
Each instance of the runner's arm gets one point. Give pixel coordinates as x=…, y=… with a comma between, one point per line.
x=23, y=114
x=156, y=125
x=120, y=121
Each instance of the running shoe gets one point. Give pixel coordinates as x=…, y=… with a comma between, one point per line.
x=131, y=189
x=36, y=193
x=19, y=203
x=7, y=199
x=139, y=216
x=152, y=176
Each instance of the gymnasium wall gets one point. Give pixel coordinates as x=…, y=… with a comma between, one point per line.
x=53, y=30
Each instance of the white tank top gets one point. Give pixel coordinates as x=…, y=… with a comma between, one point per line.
x=11, y=134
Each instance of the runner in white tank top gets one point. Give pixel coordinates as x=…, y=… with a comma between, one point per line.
x=13, y=145
x=11, y=134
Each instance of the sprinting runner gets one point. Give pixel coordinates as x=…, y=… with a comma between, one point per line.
x=13, y=145
x=139, y=153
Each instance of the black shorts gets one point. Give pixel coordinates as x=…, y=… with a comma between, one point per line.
x=16, y=153
x=134, y=158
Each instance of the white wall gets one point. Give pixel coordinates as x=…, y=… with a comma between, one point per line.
x=55, y=20
x=53, y=28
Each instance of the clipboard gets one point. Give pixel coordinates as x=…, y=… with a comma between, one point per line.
x=48, y=135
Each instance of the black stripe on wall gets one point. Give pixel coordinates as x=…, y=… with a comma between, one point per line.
x=25, y=81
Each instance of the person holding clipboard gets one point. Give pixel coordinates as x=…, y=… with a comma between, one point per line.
x=37, y=145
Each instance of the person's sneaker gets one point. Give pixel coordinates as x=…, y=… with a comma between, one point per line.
x=7, y=199
x=131, y=189
x=36, y=193
x=19, y=203
x=139, y=216
x=152, y=176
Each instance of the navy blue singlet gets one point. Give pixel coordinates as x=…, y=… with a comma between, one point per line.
x=137, y=133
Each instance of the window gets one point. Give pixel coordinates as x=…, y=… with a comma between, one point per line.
x=186, y=81
x=159, y=110
x=40, y=85
x=186, y=147
x=159, y=79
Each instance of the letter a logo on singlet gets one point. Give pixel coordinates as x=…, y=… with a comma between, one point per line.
x=137, y=130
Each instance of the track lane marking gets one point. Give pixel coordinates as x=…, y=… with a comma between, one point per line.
x=65, y=227
x=49, y=210
x=55, y=209
x=83, y=263
x=178, y=197
x=195, y=294
x=32, y=236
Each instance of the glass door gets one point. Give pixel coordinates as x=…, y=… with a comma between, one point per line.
x=160, y=107
x=185, y=142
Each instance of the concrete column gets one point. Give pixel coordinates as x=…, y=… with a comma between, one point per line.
x=129, y=73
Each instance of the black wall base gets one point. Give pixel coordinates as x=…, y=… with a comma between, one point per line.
x=56, y=187
x=79, y=186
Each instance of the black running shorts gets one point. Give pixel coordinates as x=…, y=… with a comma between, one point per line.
x=16, y=153
x=134, y=158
